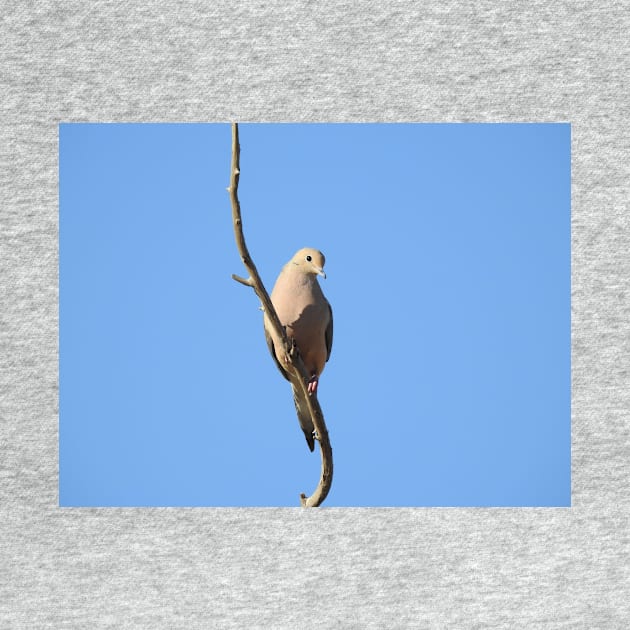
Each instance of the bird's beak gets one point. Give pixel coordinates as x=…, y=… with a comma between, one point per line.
x=320, y=272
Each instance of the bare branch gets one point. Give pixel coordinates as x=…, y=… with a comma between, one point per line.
x=296, y=368
x=248, y=282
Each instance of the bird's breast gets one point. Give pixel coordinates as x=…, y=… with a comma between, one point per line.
x=304, y=312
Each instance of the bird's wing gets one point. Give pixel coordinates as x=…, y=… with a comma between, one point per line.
x=329, y=334
x=273, y=354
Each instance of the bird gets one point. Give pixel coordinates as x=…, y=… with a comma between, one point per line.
x=308, y=321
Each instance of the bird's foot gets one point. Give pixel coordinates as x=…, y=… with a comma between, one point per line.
x=312, y=385
x=316, y=436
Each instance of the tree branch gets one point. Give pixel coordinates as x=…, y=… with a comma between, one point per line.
x=295, y=367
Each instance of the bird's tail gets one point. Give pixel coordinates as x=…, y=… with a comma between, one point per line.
x=301, y=406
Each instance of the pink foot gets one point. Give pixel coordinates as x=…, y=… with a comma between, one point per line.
x=312, y=385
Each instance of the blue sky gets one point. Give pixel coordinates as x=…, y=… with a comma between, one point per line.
x=448, y=259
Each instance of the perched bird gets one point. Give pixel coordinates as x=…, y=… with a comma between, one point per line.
x=307, y=317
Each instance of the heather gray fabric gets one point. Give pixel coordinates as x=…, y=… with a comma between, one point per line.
x=326, y=61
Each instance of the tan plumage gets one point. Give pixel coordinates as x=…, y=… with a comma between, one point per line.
x=307, y=317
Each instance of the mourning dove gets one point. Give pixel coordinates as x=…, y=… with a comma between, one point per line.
x=307, y=317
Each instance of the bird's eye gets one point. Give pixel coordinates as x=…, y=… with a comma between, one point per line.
x=309, y=258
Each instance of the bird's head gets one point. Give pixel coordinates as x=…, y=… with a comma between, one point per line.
x=310, y=261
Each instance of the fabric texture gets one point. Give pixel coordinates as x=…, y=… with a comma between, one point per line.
x=328, y=61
